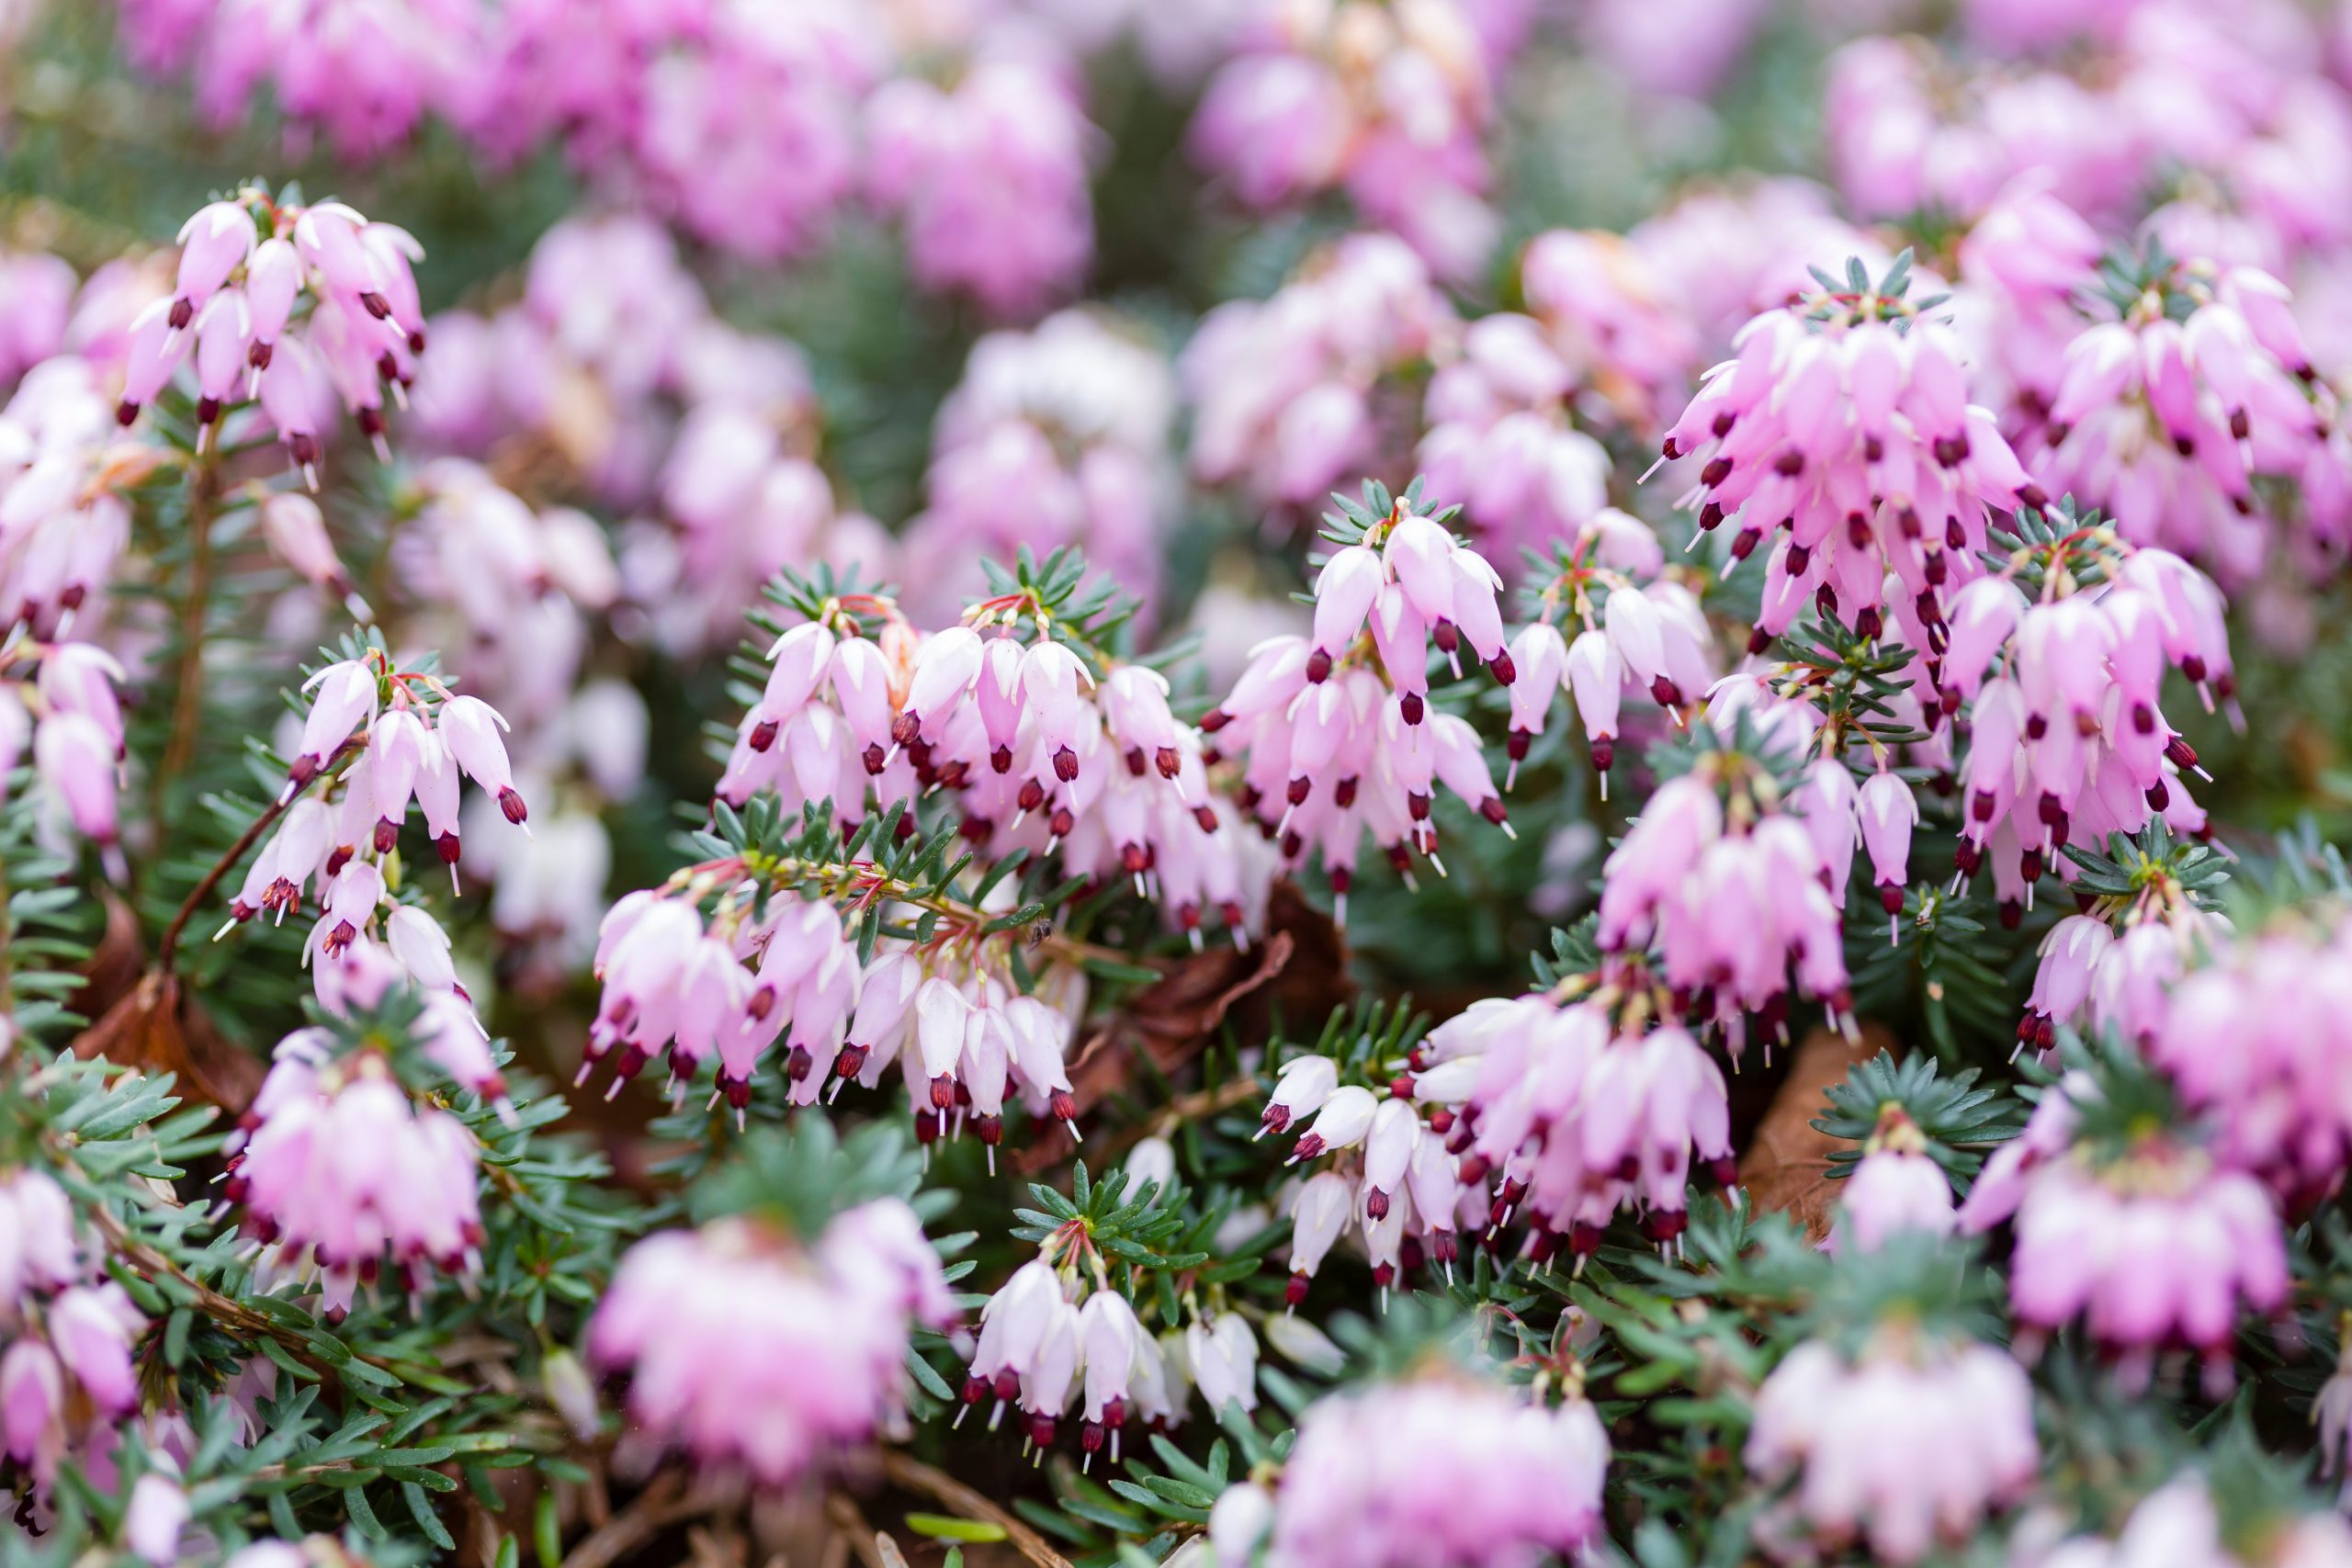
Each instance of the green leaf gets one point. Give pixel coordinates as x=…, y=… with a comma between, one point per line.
x=943, y=1527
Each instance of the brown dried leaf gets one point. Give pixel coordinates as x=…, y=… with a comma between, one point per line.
x=1301, y=965
x=1786, y=1167
x=156, y=1029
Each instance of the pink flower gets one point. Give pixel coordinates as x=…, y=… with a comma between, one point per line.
x=2257, y=1038
x=339, y=1167
x=2153, y=1249
x=1389, y=106
x=246, y=267
x=1574, y=1118
x=1853, y=446
x=754, y=1355
x=1054, y=438
x=989, y=177
x=152, y=1526
x=1445, y=1468
x=1283, y=390
x=1891, y=1190
x=1337, y=731
x=2181, y=1523
x=1914, y=1441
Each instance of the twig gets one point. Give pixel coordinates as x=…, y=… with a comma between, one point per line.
x=651, y=1512
x=167, y=945
x=916, y=1476
x=851, y=1528
x=187, y=698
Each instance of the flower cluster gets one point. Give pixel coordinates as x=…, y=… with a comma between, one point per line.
x=1047, y=745
x=752, y=127
x=1909, y=1442
x=300, y=307
x=1292, y=394
x=1440, y=1468
x=1385, y=102
x=1056, y=439
x=1730, y=879
x=1510, y=420
x=517, y=588
x=1391, y=1181
x=2166, y=414
x=1636, y=627
x=945, y=1012
x=1572, y=1112
x=337, y=1168
x=613, y=377
x=2068, y=742
x=2182, y=1522
x=67, y=1373
x=988, y=177
x=2138, y=1233
x=64, y=525
x=1843, y=433
x=1045, y=1338
x=755, y=1354
x=1339, y=735
x=2257, y=1038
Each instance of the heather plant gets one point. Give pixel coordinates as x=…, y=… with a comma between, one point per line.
x=1441, y=783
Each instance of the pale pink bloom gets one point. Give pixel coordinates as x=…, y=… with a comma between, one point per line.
x=92, y=1329
x=2155, y=1249
x=36, y=300
x=1891, y=1191
x=1912, y=1443
x=989, y=177
x=152, y=1526
x=1389, y=106
x=1736, y=913
x=1577, y=1118
x=752, y=1354
x=2180, y=1523
x=1056, y=438
x=1443, y=1468
x=45, y=1250
x=337, y=1164
x=2257, y=1038
x=1283, y=390
x=1854, y=449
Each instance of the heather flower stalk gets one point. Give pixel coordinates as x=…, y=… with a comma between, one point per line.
x=1843, y=434
x=751, y=1351
x=1336, y=732
x=336, y=1169
x=1444, y=1467
x=296, y=308
x=1910, y=1442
